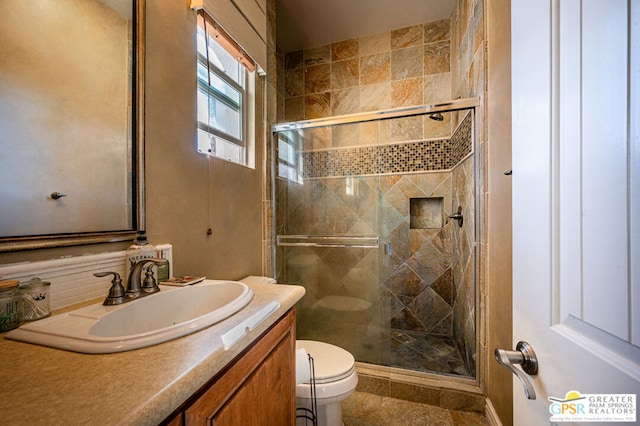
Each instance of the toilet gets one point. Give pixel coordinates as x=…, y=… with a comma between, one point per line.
x=335, y=376
x=335, y=379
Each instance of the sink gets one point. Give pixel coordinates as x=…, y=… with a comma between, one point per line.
x=173, y=312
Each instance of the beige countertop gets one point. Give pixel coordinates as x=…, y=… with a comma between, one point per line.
x=40, y=385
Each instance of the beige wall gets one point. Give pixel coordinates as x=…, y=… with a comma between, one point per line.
x=186, y=192
x=185, y=195
x=498, y=289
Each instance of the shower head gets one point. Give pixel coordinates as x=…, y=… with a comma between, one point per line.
x=436, y=116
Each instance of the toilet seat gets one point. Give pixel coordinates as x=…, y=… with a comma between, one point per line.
x=331, y=363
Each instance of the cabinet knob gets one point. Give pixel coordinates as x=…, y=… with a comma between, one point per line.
x=56, y=195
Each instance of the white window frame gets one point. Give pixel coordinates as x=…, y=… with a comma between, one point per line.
x=210, y=137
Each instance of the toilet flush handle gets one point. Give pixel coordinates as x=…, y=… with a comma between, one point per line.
x=526, y=357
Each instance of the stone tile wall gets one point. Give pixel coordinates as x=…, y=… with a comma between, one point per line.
x=469, y=79
x=404, y=67
x=463, y=264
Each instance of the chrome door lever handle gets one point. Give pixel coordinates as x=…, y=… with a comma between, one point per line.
x=526, y=357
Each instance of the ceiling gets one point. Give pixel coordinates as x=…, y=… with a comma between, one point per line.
x=304, y=24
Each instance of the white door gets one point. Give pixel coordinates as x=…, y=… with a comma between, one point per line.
x=576, y=203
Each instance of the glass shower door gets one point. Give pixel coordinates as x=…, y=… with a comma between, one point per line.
x=327, y=201
x=363, y=223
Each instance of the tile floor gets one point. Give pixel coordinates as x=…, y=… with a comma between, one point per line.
x=363, y=408
x=426, y=352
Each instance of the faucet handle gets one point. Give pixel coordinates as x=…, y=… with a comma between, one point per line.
x=149, y=285
x=116, y=292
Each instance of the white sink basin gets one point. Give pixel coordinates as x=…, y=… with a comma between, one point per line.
x=173, y=312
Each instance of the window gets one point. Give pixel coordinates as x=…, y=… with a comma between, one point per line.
x=226, y=79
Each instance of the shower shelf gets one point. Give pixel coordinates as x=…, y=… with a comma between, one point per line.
x=338, y=241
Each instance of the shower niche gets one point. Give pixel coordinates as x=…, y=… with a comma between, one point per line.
x=362, y=219
x=425, y=213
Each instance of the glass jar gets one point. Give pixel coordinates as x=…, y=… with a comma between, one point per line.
x=35, y=293
x=10, y=305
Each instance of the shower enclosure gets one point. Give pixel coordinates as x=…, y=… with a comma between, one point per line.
x=375, y=217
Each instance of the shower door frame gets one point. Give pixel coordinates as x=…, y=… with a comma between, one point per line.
x=467, y=384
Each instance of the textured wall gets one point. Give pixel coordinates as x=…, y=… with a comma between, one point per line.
x=186, y=192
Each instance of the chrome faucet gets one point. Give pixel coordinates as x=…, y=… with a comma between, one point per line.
x=135, y=287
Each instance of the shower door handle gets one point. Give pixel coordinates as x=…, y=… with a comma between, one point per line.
x=526, y=358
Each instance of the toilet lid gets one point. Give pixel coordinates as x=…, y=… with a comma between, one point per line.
x=331, y=363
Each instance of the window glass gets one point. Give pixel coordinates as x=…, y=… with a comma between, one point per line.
x=222, y=101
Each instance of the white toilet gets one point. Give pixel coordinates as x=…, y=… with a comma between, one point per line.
x=335, y=376
x=335, y=379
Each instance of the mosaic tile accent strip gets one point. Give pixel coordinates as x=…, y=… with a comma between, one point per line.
x=420, y=156
x=398, y=158
x=461, y=141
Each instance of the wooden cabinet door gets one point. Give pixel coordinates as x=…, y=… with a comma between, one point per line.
x=258, y=389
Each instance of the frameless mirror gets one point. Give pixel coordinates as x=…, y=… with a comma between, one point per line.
x=71, y=129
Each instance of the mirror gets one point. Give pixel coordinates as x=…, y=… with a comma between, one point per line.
x=71, y=122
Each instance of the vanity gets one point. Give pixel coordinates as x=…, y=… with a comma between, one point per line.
x=191, y=380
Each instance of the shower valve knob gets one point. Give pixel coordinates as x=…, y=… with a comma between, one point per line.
x=458, y=216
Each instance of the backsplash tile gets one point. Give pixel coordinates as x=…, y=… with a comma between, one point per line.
x=72, y=279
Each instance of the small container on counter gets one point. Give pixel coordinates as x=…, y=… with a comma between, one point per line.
x=10, y=305
x=35, y=293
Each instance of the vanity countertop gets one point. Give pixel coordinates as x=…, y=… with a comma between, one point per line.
x=40, y=385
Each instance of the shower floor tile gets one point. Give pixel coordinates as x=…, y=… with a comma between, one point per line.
x=427, y=353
